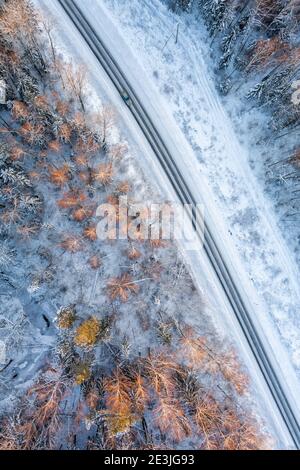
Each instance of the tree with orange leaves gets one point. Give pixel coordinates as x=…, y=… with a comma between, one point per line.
x=36, y=424
x=34, y=134
x=160, y=369
x=17, y=153
x=207, y=415
x=65, y=132
x=197, y=354
x=90, y=232
x=119, y=411
x=19, y=23
x=193, y=349
x=121, y=287
x=133, y=253
x=95, y=262
x=171, y=419
x=103, y=174
x=60, y=176
x=264, y=51
x=90, y=144
x=20, y=110
x=72, y=244
x=62, y=108
x=241, y=433
x=123, y=187
x=117, y=151
x=87, y=333
x=231, y=370
x=81, y=213
x=141, y=392
x=71, y=200
x=54, y=146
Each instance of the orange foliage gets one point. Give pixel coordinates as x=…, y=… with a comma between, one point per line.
x=193, y=349
x=19, y=110
x=198, y=355
x=113, y=200
x=17, y=153
x=171, y=419
x=95, y=262
x=79, y=123
x=104, y=173
x=41, y=102
x=54, y=146
x=141, y=395
x=231, y=370
x=60, y=176
x=86, y=177
x=81, y=213
x=157, y=243
x=133, y=253
x=121, y=287
x=123, y=187
x=34, y=175
x=92, y=398
x=17, y=16
x=160, y=369
x=44, y=420
x=208, y=418
x=72, y=244
x=265, y=50
x=241, y=434
x=32, y=133
x=49, y=394
x=65, y=133
x=71, y=199
x=117, y=151
x=90, y=233
x=87, y=333
x=87, y=146
x=118, y=388
x=27, y=231
x=81, y=160
x=118, y=402
x=62, y=108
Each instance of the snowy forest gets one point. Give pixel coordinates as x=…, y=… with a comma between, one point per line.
x=256, y=51
x=99, y=351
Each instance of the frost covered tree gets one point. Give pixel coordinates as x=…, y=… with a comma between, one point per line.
x=184, y=5
x=74, y=79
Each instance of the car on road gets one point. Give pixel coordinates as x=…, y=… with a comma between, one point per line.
x=126, y=98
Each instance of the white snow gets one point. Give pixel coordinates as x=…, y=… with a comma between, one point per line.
x=175, y=85
x=182, y=77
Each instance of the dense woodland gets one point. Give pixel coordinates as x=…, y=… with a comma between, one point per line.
x=96, y=388
x=256, y=47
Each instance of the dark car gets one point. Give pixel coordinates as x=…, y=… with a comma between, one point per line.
x=126, y=98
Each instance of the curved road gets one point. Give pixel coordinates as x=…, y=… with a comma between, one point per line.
x=185, y=196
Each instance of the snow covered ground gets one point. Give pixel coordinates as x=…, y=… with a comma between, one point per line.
x=181, y=76
x=211, y=156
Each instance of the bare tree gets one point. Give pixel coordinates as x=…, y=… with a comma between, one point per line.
x=75, y=80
